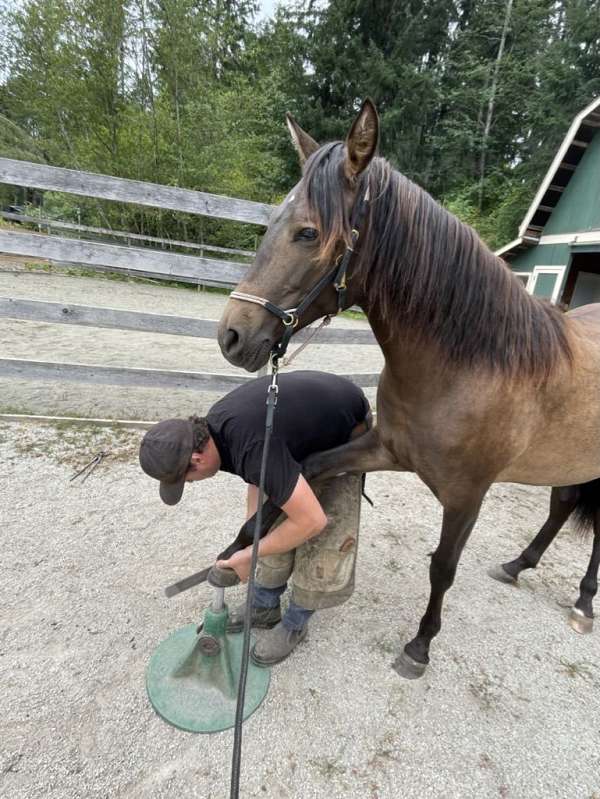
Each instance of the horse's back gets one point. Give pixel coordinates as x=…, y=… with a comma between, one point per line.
x=586, y=313
x=564, y=447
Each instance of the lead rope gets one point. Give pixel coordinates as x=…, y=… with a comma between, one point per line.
x=272, y=393
x=314, y=331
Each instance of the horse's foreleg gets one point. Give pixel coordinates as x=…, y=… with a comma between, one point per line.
x=363, y=454
x=562, y=504
x=456, y=528
x=582, y=615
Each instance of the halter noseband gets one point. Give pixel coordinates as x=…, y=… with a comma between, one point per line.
x=336, y=276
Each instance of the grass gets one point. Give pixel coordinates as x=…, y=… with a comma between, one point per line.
x=72, y=442
x=576, y=669
x=82, y=271
x=75, y=419
x=359, y=316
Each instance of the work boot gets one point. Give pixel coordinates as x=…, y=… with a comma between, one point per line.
x=277, y=644
x=262, y=618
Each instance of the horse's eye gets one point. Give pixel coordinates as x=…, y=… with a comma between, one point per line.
x=307, y=233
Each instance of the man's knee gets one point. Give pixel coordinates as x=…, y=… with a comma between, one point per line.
x=363, y=427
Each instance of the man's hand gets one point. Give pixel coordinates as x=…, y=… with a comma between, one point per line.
x=239, y=562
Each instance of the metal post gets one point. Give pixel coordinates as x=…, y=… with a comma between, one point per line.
x=218, y=600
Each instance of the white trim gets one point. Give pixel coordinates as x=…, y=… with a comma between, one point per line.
x=556, y=163
x=559, y=271
x=589, y=237
x=523, y=274
x=508, y=247
x=524, y=241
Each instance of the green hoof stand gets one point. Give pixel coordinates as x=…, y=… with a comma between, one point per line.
x=192, y=680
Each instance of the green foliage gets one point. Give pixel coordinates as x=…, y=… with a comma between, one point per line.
x=474, y=97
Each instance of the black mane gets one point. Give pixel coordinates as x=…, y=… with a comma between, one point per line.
x=429, y=273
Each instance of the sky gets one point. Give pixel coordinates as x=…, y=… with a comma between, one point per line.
x=267, y=7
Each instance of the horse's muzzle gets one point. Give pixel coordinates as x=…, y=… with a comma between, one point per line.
x=242, y=349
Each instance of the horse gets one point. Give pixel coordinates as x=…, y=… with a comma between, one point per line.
x=482, y=382
x=582, y=502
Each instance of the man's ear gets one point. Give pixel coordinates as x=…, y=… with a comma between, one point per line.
x=197, y=457
x=305, y=145
x=361, y=142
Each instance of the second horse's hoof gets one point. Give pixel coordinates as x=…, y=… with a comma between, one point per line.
x=407, y=667
x=499, y=573
x=580, y=622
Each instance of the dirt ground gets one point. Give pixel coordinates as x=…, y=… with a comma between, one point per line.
x=510, y=705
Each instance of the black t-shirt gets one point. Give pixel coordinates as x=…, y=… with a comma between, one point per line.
x=315, y=411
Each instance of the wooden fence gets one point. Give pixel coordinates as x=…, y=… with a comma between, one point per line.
x=134, y=261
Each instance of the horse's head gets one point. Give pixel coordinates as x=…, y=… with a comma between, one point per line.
x=306, y=234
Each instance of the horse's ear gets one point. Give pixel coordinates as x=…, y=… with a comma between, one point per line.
x=361, y=142
x=304, y=144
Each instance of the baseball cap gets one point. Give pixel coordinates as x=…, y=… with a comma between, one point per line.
x=165, y=454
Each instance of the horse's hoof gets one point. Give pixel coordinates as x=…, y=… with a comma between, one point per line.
x=500, y=574
x=580, y=622
x=406, y=667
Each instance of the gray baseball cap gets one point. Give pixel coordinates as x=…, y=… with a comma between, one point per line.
x=165, y=454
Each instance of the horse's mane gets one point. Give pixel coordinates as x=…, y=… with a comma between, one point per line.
x=427, y=272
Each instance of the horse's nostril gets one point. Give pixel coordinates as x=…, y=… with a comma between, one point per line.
x=230, y=339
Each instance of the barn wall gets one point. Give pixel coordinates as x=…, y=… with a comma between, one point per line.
x=541, y=255
x=579, y=207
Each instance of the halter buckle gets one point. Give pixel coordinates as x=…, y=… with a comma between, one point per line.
x=291, y=320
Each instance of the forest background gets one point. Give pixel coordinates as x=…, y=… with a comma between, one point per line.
x=474, y=97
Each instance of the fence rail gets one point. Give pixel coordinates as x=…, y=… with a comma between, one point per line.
x=155, y=195
x=87, y=315
x=144, y=378
x=135, y=261
x=139, y=261
x=121, y=234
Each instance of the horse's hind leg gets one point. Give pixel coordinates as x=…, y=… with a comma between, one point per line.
x=582, y=615
x=562, y=503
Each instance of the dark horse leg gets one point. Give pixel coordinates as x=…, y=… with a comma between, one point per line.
x=582, y=615
x=562, y=503
x=456, y=528
x=363, y=454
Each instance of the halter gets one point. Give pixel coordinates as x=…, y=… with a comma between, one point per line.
x=336, y=276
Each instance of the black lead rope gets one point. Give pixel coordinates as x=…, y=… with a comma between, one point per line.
x=272, y=393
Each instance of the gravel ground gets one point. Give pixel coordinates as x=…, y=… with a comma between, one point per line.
x=510, y=706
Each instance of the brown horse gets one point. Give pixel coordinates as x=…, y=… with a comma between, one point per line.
x=482, y=382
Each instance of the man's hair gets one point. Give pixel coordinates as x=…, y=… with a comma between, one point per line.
x=201, y=432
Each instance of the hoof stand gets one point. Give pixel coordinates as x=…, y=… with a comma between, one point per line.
x=580, y=622
x=406, y=667
x=498, y=573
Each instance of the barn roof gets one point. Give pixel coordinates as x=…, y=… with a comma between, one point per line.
x=580, y=134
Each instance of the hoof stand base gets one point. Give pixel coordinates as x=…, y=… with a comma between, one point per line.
x=192, y=679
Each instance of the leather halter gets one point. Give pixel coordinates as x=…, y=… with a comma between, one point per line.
x=336, y=276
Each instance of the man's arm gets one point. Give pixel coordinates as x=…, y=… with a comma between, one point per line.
x=305, y=519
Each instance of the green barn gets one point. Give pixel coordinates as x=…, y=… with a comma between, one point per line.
x=557, y=252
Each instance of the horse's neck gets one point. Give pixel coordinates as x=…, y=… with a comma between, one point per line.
x=408, y=360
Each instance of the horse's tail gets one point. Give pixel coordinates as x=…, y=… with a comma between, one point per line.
x=588, y=504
